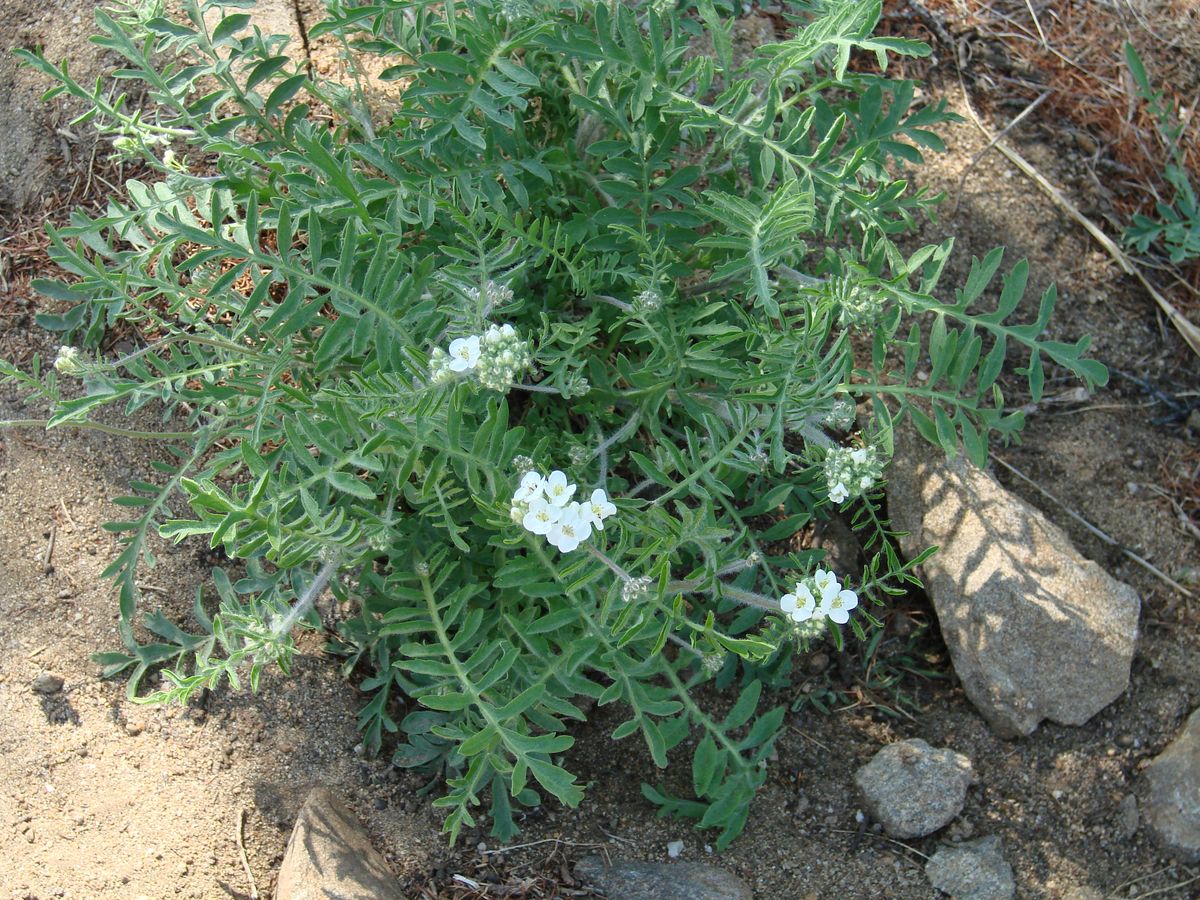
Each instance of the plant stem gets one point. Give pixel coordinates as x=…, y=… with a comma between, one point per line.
x=100, y=426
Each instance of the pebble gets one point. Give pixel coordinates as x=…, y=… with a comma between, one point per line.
x=914, y=789
x=972, y=871
x=1128, y=818
x=47, y=683
x=636, y=880
x=675, y=849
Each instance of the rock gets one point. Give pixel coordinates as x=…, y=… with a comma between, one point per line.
x=47, y=683
x=1172, y=808
x=675, y=849
x=1127, y=817
x=975, y=870
x=912, y=789
x=628, y=879
x=329, y=855
x=843, y=550
x=1035, y=631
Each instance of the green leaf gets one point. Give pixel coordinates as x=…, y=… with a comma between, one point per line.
x=228, y=27
x=707, y=763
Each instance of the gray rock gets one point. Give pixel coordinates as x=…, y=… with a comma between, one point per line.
x=1127, y=817
x=975, y=870
x=843, y=550
x=912, y=789
x=1035, y=631
x=1172, y=808
x=628, y=879
x=330, y=857
x=47, y=683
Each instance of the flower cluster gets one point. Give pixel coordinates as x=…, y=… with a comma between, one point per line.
x=850, y=473
x=497, y=294
x=67, y=362
x=495, y=359
x=841, y=415
x=859, y=307
x=648, y=301
x=543, y=505
x=819, y=597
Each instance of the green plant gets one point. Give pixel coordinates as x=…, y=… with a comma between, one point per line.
x=1177, y=226
x=570, y=245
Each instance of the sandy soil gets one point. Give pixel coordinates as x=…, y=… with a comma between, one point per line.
x=101, y=798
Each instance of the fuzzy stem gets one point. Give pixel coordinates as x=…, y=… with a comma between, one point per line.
x=309, y=597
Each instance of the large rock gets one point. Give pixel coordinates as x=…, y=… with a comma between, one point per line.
x=1172, y=807
x=1035, y=631
x=635, y=880
x=975, y=870
x=330, y=857
x=912, y=789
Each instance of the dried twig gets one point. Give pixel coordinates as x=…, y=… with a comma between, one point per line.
x=1037, y=24
x=241, y=845
x=1112, y=542
x=47, y=565
x=1186, y=328
x=1169, y=887
x=992, y=143
x=878, y=837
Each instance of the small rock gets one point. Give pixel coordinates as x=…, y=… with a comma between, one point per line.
x=913, y=789
x=1172, y=807
x=843, y=550
x=975, y=870
x=818, y=663
x=133, y=728
x=47, y=683
x=636, y=880
x=675, y=849
x=1035, y=631
x=329, y=855
x=1127, y=817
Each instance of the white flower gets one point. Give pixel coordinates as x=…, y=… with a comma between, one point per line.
x=801, y=605
x=598, y=508
x=67, y=361
x=531, y=487
x=826, y=584
x=837, y=606
x=859, y=456
x=464, y=353
x=865, y=482
x=558, y=490
x=570, y=530
x=541, y=517
x=838, y=492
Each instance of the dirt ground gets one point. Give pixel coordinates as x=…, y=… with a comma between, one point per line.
x=101, y=798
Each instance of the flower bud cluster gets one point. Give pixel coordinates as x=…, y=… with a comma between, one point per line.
x=636, y=589
x=543, y=505
x=858, y=306
x=851, y=473
x=513, y=11
x=494, y=294
x=67, y=362
x=495, y=359
x=818, y=597
x=841, y=415
x=648, y=301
